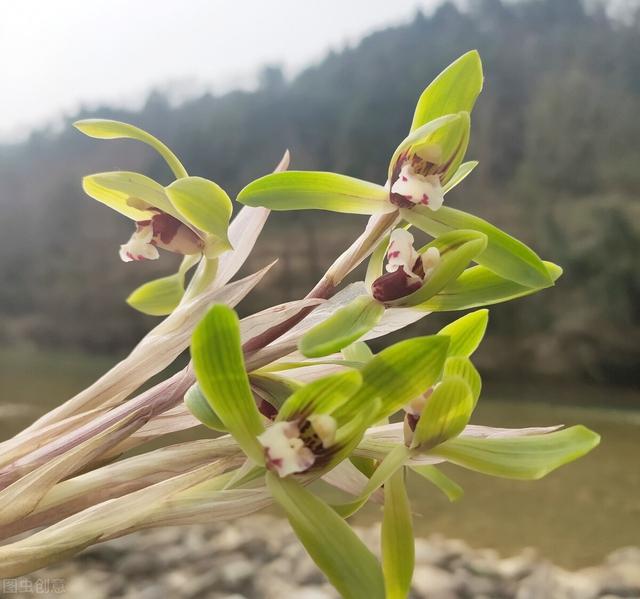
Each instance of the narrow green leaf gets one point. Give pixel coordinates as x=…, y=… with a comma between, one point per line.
x=203, y=203
x=131, y=194
x=219, y=366
x=463, y=368
x=333, y=546
x=504, y=255
x=312, y=190
x=466, y=333
x=446, y=413
x=464, y=170
x=454, y=89
x=343, y=327
x=397, y=375
x=398, y=551
x=357, y=352
x=321, y=396
x=528, y=457
x=450, y=488
x=198, y=405
x=108, y=129
x=457, y=249
x=479, y=286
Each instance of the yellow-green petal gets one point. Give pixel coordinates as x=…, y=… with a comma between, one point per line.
x=312, y=190
x=466, y=333
x=505, y=255
x=527, y=457
x=454, y=89
x=131, y=194
x=202, y=203
x=108, y=129
x=479, y=286
x=219, y=366
x=343, y=327
x=446, y=413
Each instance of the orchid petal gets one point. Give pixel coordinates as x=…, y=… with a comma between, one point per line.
x=219, y=366
x=342, y=328
x=203, y=204
x=132, y=194
x=466, y=333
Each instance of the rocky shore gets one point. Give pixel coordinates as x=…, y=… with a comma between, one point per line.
x=260, y=558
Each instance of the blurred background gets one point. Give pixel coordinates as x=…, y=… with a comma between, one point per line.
x=556, y=131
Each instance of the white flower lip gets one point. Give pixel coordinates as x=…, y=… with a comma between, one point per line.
x=401, y=253
x=417, y=188
x=160, y=231
x=290, y=448
x=139, y=246
x=407, y=270
x=284, y=450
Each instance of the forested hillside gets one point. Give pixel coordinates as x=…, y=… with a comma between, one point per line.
x=556, y=131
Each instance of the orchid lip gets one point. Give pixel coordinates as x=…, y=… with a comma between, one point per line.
x=412, y=187
x=293, y=447
x=407, y=270
x=160, y=231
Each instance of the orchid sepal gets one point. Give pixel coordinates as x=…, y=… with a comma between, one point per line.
x=312, y=190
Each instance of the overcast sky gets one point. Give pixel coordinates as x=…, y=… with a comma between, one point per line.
x=56, y=55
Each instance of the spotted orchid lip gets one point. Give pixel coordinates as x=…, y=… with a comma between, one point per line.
x=293, y=447
x=411, y=188
x=140, y=246
x=160, y=231
x=394, y=285
x=406, y=269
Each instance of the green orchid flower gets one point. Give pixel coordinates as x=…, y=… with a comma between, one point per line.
x=425, y=165
x=189, y=217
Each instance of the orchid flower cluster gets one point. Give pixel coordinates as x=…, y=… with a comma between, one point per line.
x=290, y=401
